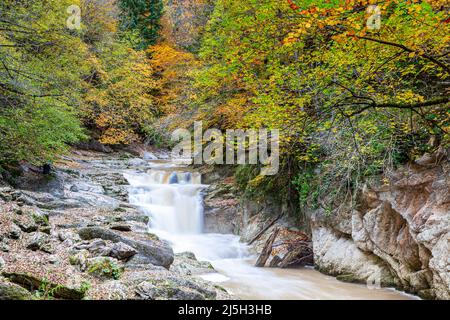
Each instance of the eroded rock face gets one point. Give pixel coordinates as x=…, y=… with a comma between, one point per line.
x=402, y=229
x=337, y=255
x=222, y=209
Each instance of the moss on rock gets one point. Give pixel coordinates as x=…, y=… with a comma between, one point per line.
x=11, y=291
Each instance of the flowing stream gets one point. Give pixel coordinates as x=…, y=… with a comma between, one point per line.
x=172, y=196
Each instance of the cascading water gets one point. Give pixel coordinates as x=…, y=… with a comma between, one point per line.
x=172, y=198
x=173, y=201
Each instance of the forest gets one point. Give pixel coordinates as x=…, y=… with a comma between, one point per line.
x=356, y=88
x=353, y=93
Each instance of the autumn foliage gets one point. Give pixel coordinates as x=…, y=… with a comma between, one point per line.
x=356, y=87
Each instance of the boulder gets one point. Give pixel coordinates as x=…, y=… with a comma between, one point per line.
x=26, y=224
x=173, y=288
x=13, y=232
x=140, y=262
x=68, y=237
x=97, y=247
x=149, y=156
x=58, y=290
x=6, y=193
x=121, y=227
x=52, y=184
x=121, y=251
x=187, y=264
x=159, y=253
x=94, y=145
x=4, y=246
x=11, y=291
x=136, y=162
x=40, y=241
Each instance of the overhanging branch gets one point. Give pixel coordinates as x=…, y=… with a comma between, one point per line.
x=405, y=48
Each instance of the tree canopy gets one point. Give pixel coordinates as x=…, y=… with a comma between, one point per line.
x=356, y=87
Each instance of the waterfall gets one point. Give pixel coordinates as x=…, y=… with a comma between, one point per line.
x=172, y=200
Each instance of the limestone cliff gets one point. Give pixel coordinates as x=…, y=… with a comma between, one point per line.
x=399, y=235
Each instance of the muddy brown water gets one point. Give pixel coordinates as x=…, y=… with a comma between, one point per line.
x=250, y=283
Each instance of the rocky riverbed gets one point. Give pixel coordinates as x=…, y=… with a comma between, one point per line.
x=73, y=235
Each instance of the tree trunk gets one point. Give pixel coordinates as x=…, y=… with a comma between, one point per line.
x=265, y=254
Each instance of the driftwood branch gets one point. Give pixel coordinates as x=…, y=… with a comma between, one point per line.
x=265, y=254
x=271, y=223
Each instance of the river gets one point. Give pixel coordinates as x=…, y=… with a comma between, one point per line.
x=172, y=197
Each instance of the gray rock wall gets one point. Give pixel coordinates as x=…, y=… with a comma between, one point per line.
x=399, y=235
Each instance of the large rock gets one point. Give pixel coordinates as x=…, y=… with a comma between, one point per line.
x=173, y=288
x=99, y=247
x=33, y=283
x=13, y=232
x=40, y=241
x=11, y=291
x=186, y=263
x=6, y=193
x=402, y=228
x=159, y=253
x=337, y=255
x=36, y=182
x=137, y=162
x=94, y=145
x=4, y=244
x=121, y=251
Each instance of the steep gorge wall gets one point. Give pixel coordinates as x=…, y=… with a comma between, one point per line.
x=399, y=236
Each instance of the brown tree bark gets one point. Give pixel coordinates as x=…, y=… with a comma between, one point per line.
x=267, y=250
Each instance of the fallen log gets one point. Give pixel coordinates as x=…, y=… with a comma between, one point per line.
x=274, y=262
x=271, y=223
x=302, y=254
x=267, y=250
